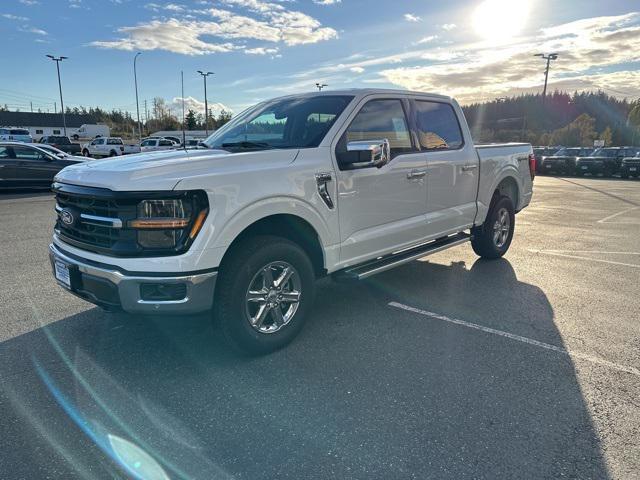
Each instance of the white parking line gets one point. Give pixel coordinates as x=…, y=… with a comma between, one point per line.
x=518, y=338
x=611, y=217
x=580, y=257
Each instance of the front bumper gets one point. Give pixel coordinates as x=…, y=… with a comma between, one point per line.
x=111, y=288
x=590, y=168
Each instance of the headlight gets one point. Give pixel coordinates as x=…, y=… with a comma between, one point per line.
x=167, y=224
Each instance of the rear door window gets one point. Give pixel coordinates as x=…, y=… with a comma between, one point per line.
x=438, y=126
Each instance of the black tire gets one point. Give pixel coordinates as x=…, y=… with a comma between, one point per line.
x=112, y=153
x=624, y=174
x=238, y=272
x=483, y=241
x=85, y=153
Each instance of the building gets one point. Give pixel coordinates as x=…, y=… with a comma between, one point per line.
x=41, y=124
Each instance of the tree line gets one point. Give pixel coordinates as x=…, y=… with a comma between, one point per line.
x=561, y=119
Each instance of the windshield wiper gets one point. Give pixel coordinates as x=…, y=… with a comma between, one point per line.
x=246, y=144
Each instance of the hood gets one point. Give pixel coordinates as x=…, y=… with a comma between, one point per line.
x=597, y=159
x=163, y=170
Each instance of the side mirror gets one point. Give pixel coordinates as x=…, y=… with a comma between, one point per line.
x=60, y=155
x=367, y=153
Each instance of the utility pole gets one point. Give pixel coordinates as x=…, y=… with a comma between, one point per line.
x=549, y=58
x=31, y=103
x=320, y=86
x=184, y=138
x=135, y=80
x=206, y=106
x=146, y=112
x=58, y=60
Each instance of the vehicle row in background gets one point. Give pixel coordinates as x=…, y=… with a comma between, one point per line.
x=606, y=161
x=31, y=165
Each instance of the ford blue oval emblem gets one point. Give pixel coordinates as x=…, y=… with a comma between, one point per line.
x=67, y=217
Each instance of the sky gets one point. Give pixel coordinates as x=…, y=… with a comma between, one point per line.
x=474, y=50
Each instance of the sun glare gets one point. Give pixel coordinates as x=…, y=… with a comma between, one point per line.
x=500, y=20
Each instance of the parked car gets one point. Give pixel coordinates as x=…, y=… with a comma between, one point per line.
x=564, y=160
x=25, y=165
x=62, y=143
x=56, y=151
x=15, y=134
x=630, y=166
x=542, y=152
x=155, y=144
x=108, y=147
x=280, y=198
x=606, y=161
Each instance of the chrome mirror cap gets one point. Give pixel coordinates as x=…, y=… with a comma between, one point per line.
x=379, y=151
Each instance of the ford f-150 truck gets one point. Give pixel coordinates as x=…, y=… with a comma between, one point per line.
x=343, y=183
x=108, y=147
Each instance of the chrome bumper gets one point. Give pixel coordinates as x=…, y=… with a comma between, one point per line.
x=108, y=287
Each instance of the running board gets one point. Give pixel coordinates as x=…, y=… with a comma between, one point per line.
x=364, y=270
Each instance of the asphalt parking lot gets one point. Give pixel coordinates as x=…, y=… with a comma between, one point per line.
x=449, y=367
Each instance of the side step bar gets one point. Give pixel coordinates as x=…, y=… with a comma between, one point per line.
x=364, y=270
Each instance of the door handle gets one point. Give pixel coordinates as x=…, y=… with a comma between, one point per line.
x=413, y=174
x=466, y=168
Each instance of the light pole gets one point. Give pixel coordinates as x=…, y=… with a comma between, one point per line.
x=206, y=105
x=320, y=86
x=58, y=60
x=135, y=81
x=548, y=58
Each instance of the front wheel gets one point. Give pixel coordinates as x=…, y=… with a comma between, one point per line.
x=85, y=153
x=493, y=238
x=265, y=290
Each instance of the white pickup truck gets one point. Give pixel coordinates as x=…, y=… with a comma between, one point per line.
x=342, y=183
x=108, y=147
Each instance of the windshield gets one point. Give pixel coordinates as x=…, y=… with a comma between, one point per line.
x=19, y=131
x=51, y=149
x=283, y=123
x=568, y=152
x=605, y=152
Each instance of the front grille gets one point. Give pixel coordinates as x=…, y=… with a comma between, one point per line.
x=88, y=233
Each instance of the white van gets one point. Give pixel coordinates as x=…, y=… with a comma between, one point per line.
x=91, y=131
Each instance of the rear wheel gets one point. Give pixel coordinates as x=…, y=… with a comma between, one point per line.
x=493, y=238
x=85, y=153
x=112, y=153
x=265, y=290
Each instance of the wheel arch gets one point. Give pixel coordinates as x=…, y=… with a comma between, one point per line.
x=291, y=227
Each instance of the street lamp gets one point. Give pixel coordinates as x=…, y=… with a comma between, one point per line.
x=206, y=105
x=550, y=57
x=58, y=60
x=320, y=86
x=135, y=80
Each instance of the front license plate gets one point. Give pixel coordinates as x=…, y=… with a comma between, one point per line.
x=633, y=169
x=62, y=273
x=584, y=168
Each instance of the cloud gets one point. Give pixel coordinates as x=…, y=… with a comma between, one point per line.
x=590, y=50
x=448, y=26
x=261, y=51
x=34, y=30
x=410, y=17
x=10, y=16
x=357, y=69
x=326, y=2
x=29, y=3
x=197, y=106
x=427, y=39
x=191, y=35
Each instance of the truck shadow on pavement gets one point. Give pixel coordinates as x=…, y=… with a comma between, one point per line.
x=367, y=391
